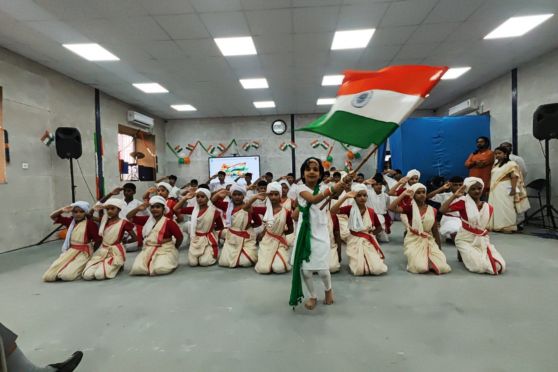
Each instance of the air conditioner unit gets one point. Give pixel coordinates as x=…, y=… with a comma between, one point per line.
x=141, y=120
x=464, y=107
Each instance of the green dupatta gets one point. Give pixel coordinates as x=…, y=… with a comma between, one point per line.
x=302, y=253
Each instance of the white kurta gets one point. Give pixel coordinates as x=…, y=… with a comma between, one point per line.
x=319, y=241
x=450, y=222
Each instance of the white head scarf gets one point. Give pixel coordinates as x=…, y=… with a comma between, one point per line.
x=268, y=216
x=416, y=223
x=118, y=203
x=411, y=173
x=477, y=219
x=84, y=206
x=150, y=224
x=355, y=218
x=230, y=206
x=196, y=211
x=166, y=186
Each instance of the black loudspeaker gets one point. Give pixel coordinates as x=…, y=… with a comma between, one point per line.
x=68, y=143
x=545, y=122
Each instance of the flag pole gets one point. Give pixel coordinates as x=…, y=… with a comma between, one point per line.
x=364, y=160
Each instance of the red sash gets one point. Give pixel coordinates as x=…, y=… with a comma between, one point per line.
x=85, y=248
x=209, y=235
x=280, y=238
x=241, y=233
x=492, y=260
x=388, y=223
x=370, y=239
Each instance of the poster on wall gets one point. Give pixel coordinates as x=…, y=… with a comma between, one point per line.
x=235, y=166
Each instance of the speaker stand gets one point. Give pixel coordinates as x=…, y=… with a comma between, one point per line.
x=73, y=187
x=548, y=207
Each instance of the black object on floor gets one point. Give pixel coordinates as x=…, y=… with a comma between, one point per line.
x=69, y=364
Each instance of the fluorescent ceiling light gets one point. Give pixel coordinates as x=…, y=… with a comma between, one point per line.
x=325, y=101
x=455, y=72
x=151, y=87
x=236, y=46
x=264, y=104
x=254, y=83
x=184, y=107
x=517, y=26
x=91, y=52
x=332, y=79
x=353, y=39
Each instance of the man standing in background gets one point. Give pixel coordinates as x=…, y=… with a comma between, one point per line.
x=481, y=161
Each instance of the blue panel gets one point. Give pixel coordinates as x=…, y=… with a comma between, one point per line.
x=437, y=146
x=381, y=155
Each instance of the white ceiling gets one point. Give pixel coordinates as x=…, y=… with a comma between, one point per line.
x=171, y=42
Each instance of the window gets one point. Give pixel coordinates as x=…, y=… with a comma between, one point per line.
x=136, y=154
x=3, y=144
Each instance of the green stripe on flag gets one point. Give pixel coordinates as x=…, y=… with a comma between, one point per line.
x=356, y=130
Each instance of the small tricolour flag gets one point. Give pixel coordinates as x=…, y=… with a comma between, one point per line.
x=287, y=145
x=317, y=143
x=190, y=147
x=370, y=105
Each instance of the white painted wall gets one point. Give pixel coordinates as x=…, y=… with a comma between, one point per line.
x=537, y=85
x=243, y=129
x=38, y=99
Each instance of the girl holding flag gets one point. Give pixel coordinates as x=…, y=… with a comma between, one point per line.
x=312, y=244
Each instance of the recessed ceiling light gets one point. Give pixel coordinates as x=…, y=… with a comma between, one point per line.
x=254, y=83
x=517, y=26
x=332, y=79
x=325, y=101
x=184, y=107
x=236, y=46
x=455, y=72
x=264, y=104
x=352, y=39
x=151, y=87
x=91, y=52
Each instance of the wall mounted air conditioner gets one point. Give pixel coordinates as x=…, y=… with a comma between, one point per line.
x=464, y=107
x=141, y=120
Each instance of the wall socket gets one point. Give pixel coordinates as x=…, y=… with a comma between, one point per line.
x=25, y=165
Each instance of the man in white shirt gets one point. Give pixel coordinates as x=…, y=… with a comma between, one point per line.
x=245, y=180
x=451, y=221
x=219, y=184
x=518, y=159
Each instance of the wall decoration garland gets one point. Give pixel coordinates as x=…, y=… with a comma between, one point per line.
x=287, y=145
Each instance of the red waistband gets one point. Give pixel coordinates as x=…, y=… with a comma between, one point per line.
x=280, y=238
x=241, y=233
x=370, y=239
x=473, y=230
x=85, y=248
x=209, y=235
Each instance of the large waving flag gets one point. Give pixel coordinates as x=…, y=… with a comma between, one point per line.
x=370, y=105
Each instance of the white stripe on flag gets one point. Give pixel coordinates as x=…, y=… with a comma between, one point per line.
x=382, y=105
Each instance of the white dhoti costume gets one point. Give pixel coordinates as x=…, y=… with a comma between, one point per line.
x=420, y=248
x=70, y=264
x=239, y=248
x=109, y=259
x=472, y=240
x=273, y=256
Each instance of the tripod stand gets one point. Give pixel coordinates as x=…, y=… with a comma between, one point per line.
x=548, y=207
x=73, y=186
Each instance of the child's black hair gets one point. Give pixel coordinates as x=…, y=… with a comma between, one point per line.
x=305, y=165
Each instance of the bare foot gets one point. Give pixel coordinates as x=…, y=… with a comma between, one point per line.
x=329, y=299
x=311, y=303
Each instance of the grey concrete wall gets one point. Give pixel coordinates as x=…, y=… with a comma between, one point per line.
x=38, y=99
x=243, y=129
x=537, y=85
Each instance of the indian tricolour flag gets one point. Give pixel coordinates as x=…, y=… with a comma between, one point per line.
x=371, y=105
